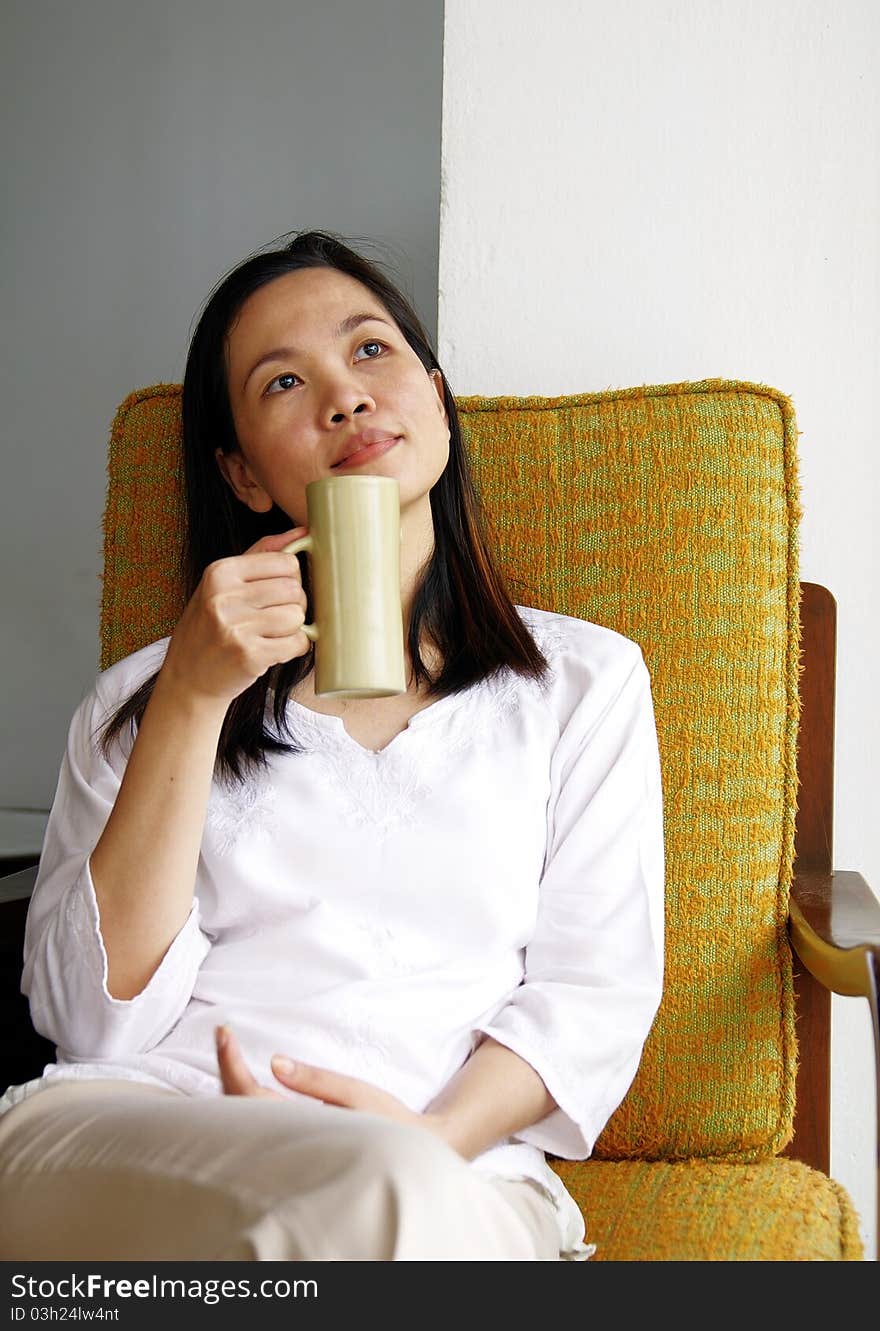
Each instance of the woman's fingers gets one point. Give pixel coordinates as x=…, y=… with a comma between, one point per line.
x=250, y=624
x=242, y=600
x=260, y=564
x=266, y=558
x=255, y=566
x=278, y=540
x=235, y=1075
x=274, y=591
x=253, y=592
x=281, y=621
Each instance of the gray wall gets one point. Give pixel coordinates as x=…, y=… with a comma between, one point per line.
x=149, y=148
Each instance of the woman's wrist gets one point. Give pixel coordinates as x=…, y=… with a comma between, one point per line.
x=445, y=1127
x=173, y=692
x=494, y=1094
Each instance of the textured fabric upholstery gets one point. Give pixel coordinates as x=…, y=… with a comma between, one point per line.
x=697, y=1211
x=669, y=513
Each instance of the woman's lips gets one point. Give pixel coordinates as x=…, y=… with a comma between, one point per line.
x=366, y=454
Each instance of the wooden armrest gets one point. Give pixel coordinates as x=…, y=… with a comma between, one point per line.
x=834, y=926
x=17, y=885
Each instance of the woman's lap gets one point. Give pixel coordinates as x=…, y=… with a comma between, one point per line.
x=128, y=1171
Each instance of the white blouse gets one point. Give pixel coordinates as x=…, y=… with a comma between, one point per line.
x=496, y=870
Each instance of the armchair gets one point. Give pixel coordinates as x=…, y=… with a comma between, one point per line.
x=669, y=513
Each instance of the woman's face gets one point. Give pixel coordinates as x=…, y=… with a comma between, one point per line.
x=323, y=383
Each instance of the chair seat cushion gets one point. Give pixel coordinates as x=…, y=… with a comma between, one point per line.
x=694, y=1211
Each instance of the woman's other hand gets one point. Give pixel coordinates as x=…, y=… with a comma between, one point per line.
x=245, y=616
x=332, y=1088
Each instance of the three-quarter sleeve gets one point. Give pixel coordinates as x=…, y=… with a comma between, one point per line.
x=65, y=964
x=594, y=965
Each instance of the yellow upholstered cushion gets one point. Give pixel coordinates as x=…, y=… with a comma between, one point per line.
x=775, y=1210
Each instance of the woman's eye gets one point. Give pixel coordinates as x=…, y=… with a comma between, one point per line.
x=281, y=384
x=380, y=346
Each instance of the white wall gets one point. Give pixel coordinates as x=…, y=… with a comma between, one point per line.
x=665, y=190
x=150, y=147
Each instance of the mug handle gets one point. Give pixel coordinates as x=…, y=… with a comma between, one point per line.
x=303, y=543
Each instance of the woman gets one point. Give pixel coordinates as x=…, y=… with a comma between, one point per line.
x=445, y=906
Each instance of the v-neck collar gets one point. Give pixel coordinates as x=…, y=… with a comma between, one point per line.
x=331, y=724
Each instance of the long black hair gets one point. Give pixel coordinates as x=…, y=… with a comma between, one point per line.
x=461, y=605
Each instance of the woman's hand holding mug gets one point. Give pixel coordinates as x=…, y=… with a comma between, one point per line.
x=248, y=613
x=245, y=616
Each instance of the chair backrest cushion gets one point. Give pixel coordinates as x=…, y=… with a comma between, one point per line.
x=669, y=513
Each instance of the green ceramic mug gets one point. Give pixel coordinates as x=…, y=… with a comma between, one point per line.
x=354, y=547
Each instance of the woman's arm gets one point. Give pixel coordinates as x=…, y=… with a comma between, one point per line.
x=491, y=1097
x=65, y=963
x=244, y=617
x=593, y=967
x=144, y=866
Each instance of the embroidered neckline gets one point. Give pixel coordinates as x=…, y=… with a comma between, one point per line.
x=381, y=789
x=317, y=725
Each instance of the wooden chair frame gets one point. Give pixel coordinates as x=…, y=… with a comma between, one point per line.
x=834, y=918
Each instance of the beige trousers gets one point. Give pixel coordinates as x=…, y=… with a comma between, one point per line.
x=122, y=1171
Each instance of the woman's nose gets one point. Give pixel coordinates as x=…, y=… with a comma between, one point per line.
x=363, y=405
x=344, y=397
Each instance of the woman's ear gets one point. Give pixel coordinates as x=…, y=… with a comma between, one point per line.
x=436, y=378
x=242, y=481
